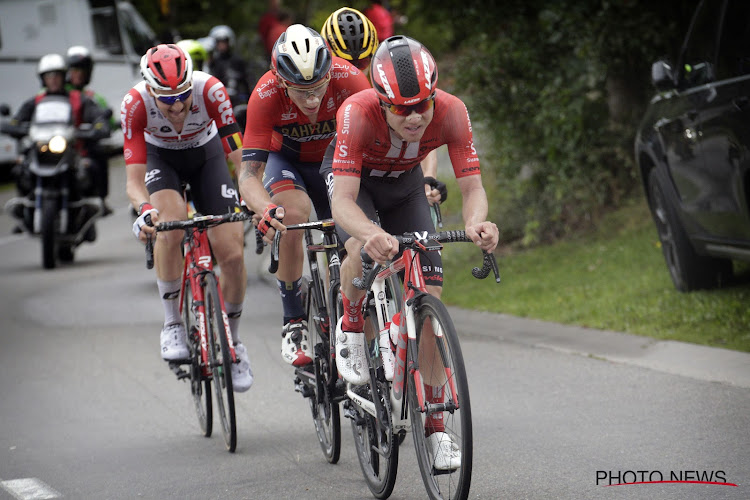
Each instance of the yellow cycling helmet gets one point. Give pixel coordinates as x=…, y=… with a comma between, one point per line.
x=351, y=36
x=195, y=50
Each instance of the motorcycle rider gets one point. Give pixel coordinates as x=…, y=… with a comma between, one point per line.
x=52, y=70
x=80, y=67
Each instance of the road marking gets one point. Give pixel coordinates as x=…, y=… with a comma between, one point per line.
x=4, y=240
x=29, y=489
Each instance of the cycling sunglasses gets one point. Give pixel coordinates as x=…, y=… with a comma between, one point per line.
x=170, y=99
x=404, y=110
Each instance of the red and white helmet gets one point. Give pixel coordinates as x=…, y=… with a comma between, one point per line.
x=166, y=67
x=403, y=71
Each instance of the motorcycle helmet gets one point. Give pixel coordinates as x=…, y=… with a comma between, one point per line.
x=222, y=32
x=351, y=36
x=166, y=67
x=49, y=63
x=403, y=71
x=80, y=57
x=301, y=57
x=196, y=51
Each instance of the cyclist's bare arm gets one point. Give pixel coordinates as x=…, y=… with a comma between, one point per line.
x=429, y=169
x=481, y=231
x=255, y=195
x=135, y=186
x=380, y=245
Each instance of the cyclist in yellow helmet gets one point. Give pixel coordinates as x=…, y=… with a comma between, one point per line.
x=196, y=51
x=351, y=36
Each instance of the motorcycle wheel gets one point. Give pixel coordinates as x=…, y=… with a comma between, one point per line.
x=48, y=234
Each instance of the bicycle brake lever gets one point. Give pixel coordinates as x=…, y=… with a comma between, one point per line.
x=149, y=252
x=149, y=244
x=274, y=265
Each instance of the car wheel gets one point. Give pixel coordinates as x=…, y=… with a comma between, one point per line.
x=689, y=270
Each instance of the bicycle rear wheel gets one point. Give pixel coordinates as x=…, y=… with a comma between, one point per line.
x=200, y=385
x=220, y=360
x=441, y=366
x=325, y=411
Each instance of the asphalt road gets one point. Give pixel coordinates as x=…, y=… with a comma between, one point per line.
x=88, y=410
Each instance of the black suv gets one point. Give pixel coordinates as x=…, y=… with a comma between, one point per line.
x=693, y=148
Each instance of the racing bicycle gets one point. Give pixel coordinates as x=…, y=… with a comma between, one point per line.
x=319, y=381
x=427, y=355
x=208, y=335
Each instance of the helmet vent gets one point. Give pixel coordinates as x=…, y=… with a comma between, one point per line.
x=406, y=74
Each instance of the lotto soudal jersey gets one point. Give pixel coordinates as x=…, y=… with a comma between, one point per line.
x=210, y=114
x=275, y=123
x=365, y=140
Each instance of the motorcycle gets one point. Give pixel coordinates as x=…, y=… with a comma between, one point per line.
x=54, y=181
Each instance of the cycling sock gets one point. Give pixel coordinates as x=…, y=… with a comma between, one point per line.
x=169, y=291
x=434, y=421
x=291, y=299
x=234, y=311
x=352, y=320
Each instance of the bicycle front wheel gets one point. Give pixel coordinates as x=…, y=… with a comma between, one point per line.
x=441, y=382
x=220, y=360
x=200, y=385
x=325, y=410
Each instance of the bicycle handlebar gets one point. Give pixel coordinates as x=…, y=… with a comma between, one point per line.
x=417, y=242
x=197, y=222
x=322, y=225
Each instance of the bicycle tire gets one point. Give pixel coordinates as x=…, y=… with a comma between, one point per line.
x=325, y=411
x=200, y=385
x=376, y=444
x=453, y=485
x=220, y=361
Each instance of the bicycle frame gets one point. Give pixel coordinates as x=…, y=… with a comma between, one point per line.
x=199, y=262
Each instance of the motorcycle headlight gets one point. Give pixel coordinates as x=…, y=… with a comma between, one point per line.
x=57, y=144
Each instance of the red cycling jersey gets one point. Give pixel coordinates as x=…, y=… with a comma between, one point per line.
x=364, y=139
x=276, y=124
x=210, y=113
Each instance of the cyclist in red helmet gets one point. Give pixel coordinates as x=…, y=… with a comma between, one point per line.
x=294, y=109
x=353, y=37
x=179, y=129
x=382, y=136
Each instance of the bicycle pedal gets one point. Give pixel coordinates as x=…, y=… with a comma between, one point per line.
x=350, y=412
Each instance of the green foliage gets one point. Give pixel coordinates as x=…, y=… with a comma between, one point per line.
x=562, y=85
x=613, y=278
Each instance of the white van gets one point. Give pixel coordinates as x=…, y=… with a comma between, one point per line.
x=113, y=30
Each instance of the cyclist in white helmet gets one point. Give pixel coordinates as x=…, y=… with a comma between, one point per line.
x=294, y=119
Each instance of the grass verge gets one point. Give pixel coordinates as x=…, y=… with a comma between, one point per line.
x=612, y=279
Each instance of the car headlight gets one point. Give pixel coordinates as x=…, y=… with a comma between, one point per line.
x=57, y=144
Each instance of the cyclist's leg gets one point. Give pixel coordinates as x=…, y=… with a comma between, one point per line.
x=214, y=193
x=164, y=186
x=287, y=188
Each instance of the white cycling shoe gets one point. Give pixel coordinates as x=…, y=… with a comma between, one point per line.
x=351, y=356
x=446, y=454
x=295, y=344
x=174, y=342
x=242, y=374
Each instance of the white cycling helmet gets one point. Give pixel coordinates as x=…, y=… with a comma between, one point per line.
x=300, y=56
x=222, y=32
x=51, y=62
